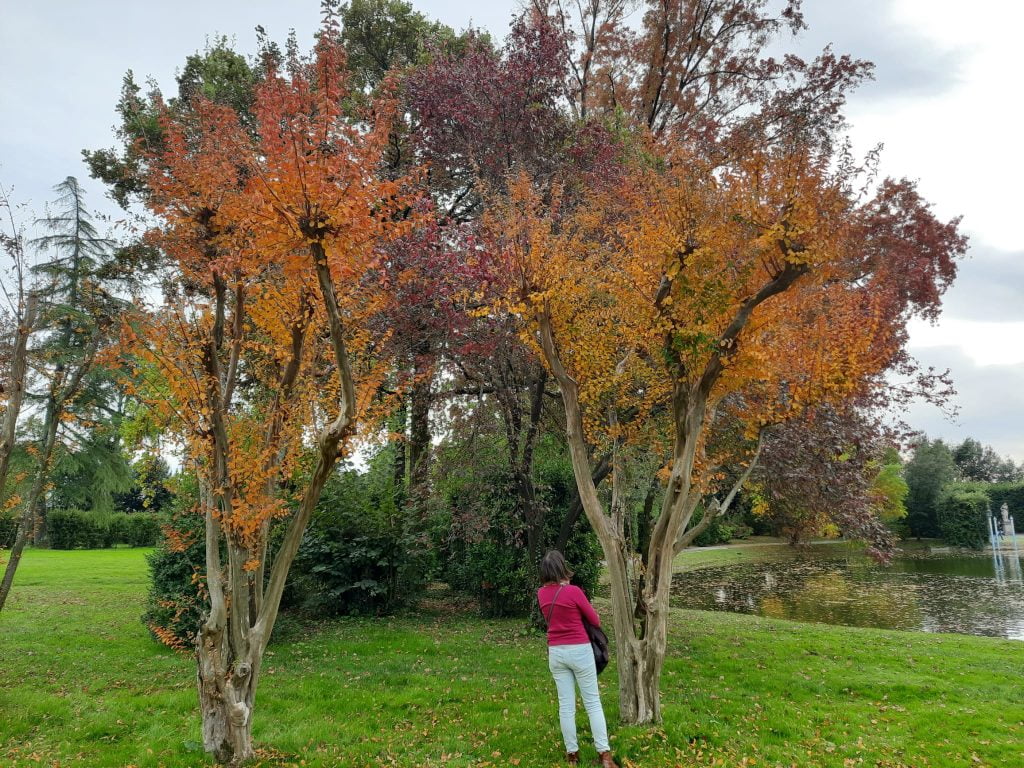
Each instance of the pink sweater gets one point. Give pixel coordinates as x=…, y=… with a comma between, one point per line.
x=566, y=624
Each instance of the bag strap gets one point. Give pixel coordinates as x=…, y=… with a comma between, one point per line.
x=551, y=610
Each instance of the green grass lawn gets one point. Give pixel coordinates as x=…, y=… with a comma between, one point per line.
x=82, y=683
x=756, y=548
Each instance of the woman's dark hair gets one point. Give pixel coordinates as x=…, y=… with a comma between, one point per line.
x=553, y=568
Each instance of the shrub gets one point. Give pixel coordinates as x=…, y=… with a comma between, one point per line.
x=486, y=559
x=359, y=555
x=963, y=518
x=742, y=531
x=481, y=535
x=1011, y=494
x=177, y=596
x=719, y=532
x=141, y=529
x=75, y=529
x=117, y=531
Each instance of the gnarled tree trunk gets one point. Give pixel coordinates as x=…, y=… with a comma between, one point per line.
x=227, y=691
x=232, y=640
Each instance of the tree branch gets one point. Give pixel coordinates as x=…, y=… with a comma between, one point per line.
x=718, y=509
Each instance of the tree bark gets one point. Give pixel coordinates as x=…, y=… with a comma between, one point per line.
x=601, y=471
x=227, y=692
x=419, y=420
x=399, y=465
x=532, y=511
x=19, y=361
x=233, y=639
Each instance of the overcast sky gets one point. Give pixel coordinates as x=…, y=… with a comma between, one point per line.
x=946, y=102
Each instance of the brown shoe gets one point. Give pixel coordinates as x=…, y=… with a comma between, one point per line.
x=605, y=760
x=573, y=758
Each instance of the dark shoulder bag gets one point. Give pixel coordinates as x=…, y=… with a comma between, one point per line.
x=598, y=639
x=599, y=644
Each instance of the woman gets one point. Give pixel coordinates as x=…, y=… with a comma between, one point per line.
x=570, y=657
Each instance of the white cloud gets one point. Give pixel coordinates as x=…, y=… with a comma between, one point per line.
x=963, y=144
x=991, y=402
x=984, y=343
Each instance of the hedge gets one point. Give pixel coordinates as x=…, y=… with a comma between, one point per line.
x=75, y=529
x=963, y=518
x=1011, y=494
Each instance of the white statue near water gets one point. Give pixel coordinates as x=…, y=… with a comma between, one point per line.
x=1002, y=532
x=1003, y=535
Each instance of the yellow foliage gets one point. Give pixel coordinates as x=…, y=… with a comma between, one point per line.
x=641, y=280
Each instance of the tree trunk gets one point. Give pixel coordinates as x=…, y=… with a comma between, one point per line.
x=398, y=468
x=601, y=471
x=227, y=692
x=533, y=513
x=19, y=360
x=639, y=686
x=231, y=643
x=419, y=422
x=25, y=526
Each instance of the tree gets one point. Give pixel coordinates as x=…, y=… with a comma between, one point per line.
x=80, y=281
x=700, y=71
x=480, y=112
x=77, y=312
x=264, y=346
x=982, y=464
x=963, y=517
x=219, y=74
x=426, y=270
x=889, y=488
x=23, y=307
x=682, y=287
x=825, y=470
x=665, y=293
x=382, y=36
x=929, y=469
x=149, y=491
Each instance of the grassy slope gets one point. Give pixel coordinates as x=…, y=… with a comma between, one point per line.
x=81, y=683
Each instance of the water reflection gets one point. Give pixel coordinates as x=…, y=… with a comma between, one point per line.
x=938, y=592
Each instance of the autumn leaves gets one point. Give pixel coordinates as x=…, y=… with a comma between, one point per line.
x=689, y=276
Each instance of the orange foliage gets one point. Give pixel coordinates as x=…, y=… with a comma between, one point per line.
x=235, y=361
x=641, y=281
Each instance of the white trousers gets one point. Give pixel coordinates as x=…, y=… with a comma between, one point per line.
x=571, y=666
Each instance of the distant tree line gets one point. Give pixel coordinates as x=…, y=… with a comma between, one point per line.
x=949, y=482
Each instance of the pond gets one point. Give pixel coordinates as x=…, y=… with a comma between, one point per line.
x=926, y=591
